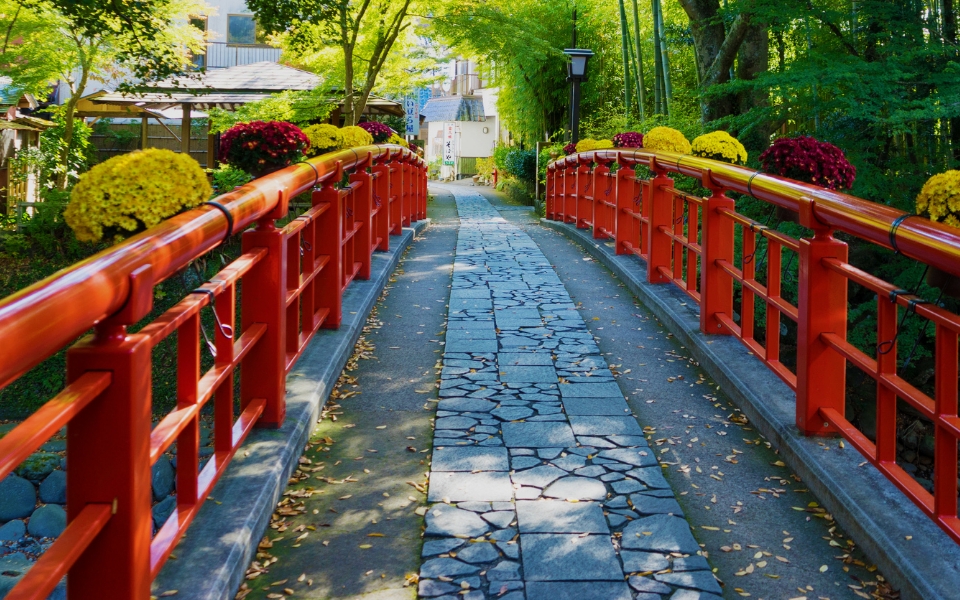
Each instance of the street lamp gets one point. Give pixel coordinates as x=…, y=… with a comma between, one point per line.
x=576, y=73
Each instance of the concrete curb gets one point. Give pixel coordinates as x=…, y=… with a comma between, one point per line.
x=871, y=510
x=214, y=555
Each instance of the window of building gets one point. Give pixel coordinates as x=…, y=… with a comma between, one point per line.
x=242, y=29
x=199, y=60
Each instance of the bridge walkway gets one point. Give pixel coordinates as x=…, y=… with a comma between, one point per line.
x=577, y=451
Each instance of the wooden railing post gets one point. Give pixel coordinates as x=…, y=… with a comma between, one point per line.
x=583, y=206
x=602, y=190
x=628, y=200
x=822, y=309
x=658, y=244
x=716, y=286
x=109, y=447
x=263, y=373
x=381, y=200
x=549, y=202
x=330, y=279
x=395, y=187
x=363, y=213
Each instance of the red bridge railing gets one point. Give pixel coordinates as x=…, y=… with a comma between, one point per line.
x=294, y=279
x=690, y=241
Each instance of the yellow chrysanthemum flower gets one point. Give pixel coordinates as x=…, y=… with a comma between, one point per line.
x=666, y=139
x=939, y=200
x=720, y=145
x=354, y=137
x=586, y=145
x=323, y=138
x=134, y=191
x=396, y=139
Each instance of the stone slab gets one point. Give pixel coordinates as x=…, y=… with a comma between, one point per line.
x=470, y=458
x=611, y=405
x=470, y=487
x=601, y=590
x=584, y=425
x=540, y=434
x=590, y=390
x=558, y=516
x=541, y=359
x=527, y=374
x=569, y=557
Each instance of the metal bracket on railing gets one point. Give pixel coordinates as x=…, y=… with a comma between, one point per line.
x=225, y=330
x=893, y=230
x=305, y=245
x=887, y=346
x=750, y=184
x=226, y=213
x=756, y=228
x=316, y=173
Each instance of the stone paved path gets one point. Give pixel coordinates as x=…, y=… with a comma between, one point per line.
x=542, y=484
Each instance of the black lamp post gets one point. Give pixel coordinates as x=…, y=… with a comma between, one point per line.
x=576, y=74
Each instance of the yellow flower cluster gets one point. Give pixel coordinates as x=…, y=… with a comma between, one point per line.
x=666, y=139
x=134, y=191
x=587, y=145
x=396, y=139
x=939, y=200
x=354, y=137
x=720, y=145
x=323, y=138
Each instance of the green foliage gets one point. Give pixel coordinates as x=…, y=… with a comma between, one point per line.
x=521, y=164
x=293, y=106
x=226, y=178
x=500, y=157
x=119, y=137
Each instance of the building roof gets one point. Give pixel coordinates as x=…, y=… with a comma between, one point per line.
x=262, y=76
x=454, y=108
x=230, y=88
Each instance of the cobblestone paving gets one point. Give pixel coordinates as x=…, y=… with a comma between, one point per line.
x=542, y=484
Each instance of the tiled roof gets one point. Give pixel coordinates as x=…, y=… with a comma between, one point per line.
x=454, y=108
x=262, y=76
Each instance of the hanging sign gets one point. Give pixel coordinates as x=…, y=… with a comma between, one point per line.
x=412, y=110
x=449, y=130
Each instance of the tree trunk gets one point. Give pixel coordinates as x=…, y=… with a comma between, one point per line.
x=657, y=64
x=625, y=51
x=667, y=85
x=754, y=59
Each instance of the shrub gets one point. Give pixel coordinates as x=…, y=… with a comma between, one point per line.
x=570, y=148
x=666, y=139
x=939, y=200
x=485, y=167
x=380, y=132
x=500, y=153
x=259, y=147
x=809, y=160
x=354, y=137
x=323, y=138
x=628, y=139
x=721, y=146
x=522, y=164
x=134, y=191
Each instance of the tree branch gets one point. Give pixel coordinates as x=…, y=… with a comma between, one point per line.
x=728, y=51
x=6, y=40
x=833, y=28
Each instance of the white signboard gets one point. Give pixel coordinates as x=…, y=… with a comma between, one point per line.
x=449, y=146
x=411, y=108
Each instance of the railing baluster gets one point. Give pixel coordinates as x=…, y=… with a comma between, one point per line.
x=822, y=309
x=657, y=242
x=716, y=286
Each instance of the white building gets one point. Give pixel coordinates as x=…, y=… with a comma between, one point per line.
x=462, y=124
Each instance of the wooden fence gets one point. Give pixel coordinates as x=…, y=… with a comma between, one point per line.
x=121, y=138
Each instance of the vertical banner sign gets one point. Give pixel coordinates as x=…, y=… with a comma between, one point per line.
x=448, y=146
x=412, y=110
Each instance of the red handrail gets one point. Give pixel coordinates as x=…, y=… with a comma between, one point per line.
x=298, y=273
x=690, y=242
x=933, y=243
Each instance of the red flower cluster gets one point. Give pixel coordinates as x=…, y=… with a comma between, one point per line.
x=809, y=160
x=628, y=139
x=413, y=148
x=259, y=146
x=379, y=131
x=570, y=148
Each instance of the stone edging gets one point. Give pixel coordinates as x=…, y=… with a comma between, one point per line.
x=874, y=512
x=213, y=556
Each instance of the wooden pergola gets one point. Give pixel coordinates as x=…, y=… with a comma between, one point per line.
x=225, y=89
